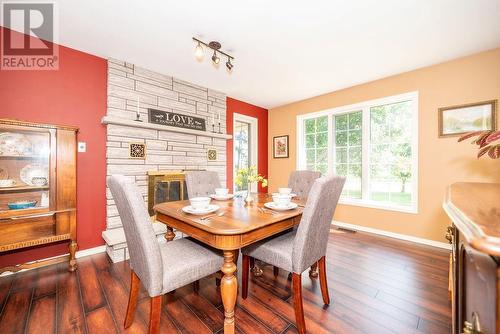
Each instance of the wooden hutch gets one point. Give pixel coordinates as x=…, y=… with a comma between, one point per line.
x=37, y=188
x=474, y=209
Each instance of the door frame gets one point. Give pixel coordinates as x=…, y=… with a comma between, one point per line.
x=254, y=142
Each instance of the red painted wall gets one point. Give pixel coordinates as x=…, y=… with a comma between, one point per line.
x=73, y=95
x=240, y=107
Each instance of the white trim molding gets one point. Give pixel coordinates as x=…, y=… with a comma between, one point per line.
x=422, y=241
x=254, y=142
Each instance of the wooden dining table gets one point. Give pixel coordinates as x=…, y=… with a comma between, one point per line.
x=235, y=225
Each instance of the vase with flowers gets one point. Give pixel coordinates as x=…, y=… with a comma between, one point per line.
x=249, y=176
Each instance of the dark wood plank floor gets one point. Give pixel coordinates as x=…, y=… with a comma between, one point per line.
x=377, y=285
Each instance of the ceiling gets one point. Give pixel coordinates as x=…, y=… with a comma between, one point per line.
x=284, y=50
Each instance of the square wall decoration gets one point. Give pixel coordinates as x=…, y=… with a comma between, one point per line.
x=212, y=154
x=137, y=150
x=457, y=120
x=280, y=147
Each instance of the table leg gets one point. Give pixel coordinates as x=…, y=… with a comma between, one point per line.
x=229, y=289
x=170, y=235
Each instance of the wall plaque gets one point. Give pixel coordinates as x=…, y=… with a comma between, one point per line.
x=178, y=120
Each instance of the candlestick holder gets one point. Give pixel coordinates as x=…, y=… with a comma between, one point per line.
x=138, y=117
x=213, y=128
x=219, y=128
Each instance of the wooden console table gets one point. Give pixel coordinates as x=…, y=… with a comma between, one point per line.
x=474, y=209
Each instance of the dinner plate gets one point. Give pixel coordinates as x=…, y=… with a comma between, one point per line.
x=292, y=194
x=211, y=208
x=221, y=197
x=31, y=171
x=272, y=206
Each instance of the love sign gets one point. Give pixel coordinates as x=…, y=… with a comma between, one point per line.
x=177, y=120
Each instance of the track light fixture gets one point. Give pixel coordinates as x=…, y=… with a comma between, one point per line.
x=228, y=64
x=214, y=45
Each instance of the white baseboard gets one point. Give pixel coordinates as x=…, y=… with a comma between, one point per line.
x=79, y=254
x=405, y=237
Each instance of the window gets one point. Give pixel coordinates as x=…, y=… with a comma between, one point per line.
x=373, y=144
x=245, y=133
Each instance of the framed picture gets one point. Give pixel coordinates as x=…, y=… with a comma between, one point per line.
x=280, y=146
x=457, y=120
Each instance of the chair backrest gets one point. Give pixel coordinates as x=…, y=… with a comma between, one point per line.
x=312, y=234
x=201, y=183
x=301, y=182
x=145, y=256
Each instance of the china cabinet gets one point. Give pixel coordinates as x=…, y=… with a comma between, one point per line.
x=37, y=187
x=474, y=209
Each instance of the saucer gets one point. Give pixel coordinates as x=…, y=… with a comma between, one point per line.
x=221, y=197
x=292, y=195
x=272, y=206
x=211, y=208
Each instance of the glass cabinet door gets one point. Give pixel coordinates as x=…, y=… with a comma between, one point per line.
x=24, y=170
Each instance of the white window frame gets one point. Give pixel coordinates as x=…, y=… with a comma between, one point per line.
x=254, y=142
x=364, y=107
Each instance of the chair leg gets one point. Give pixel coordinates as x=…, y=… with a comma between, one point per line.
x=297, y=303
x=252, y=262
x=322, y=280
x=244, y=276
x=154, y=315
x=135, y=283
x=313, y=273
x=276, y=271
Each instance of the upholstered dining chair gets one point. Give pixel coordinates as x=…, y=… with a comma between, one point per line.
x=301, y=182
x=201, y=183
x=298, y=249
x=160, y=268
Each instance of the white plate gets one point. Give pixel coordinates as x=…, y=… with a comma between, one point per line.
x=221, y=197
x=292, y=194
x=272, y=206
x=211, y=208
x=30, y=171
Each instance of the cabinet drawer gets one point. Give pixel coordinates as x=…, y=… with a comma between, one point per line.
x=24, y=229
x=479, y=282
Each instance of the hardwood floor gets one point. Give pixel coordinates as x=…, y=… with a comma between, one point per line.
x=376, y=284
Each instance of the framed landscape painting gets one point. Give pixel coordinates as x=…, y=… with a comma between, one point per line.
x=457, y=120
x=280, y=146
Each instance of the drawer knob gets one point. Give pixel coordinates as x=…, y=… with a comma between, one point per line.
x=473, y=327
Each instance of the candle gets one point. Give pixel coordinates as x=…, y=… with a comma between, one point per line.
x=219, y=116
x=137, y=111
x=213, y=118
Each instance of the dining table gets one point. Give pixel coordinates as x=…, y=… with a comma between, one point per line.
x=234, y=225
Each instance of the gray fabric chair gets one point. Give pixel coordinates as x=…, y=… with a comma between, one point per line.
x=301, y=182
x=160, y=268
x=201, y=183
x=298, y=249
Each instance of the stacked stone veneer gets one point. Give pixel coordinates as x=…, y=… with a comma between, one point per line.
x=165, y=150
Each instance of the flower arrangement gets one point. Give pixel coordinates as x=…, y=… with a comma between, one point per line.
x=248, y=176
x=486, y=142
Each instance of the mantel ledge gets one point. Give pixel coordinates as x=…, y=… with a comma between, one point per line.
x=146, y=125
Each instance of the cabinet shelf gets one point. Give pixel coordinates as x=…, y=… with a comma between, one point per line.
x=23, y=188
x=24, y=157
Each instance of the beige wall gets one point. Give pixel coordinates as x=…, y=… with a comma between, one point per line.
x=441, y=160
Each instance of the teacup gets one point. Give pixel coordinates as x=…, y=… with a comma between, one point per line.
x=221, y=191
x=199, y=203
x=285, y=191
x=282, y=200
x=39, y=181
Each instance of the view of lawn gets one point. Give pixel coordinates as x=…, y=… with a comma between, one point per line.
x=397, y=198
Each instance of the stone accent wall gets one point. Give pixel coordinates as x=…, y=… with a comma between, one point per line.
x=165, y=150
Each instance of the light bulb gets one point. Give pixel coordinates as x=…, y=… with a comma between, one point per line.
x=229, y=65
x=198, y=51
x=215, y=59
